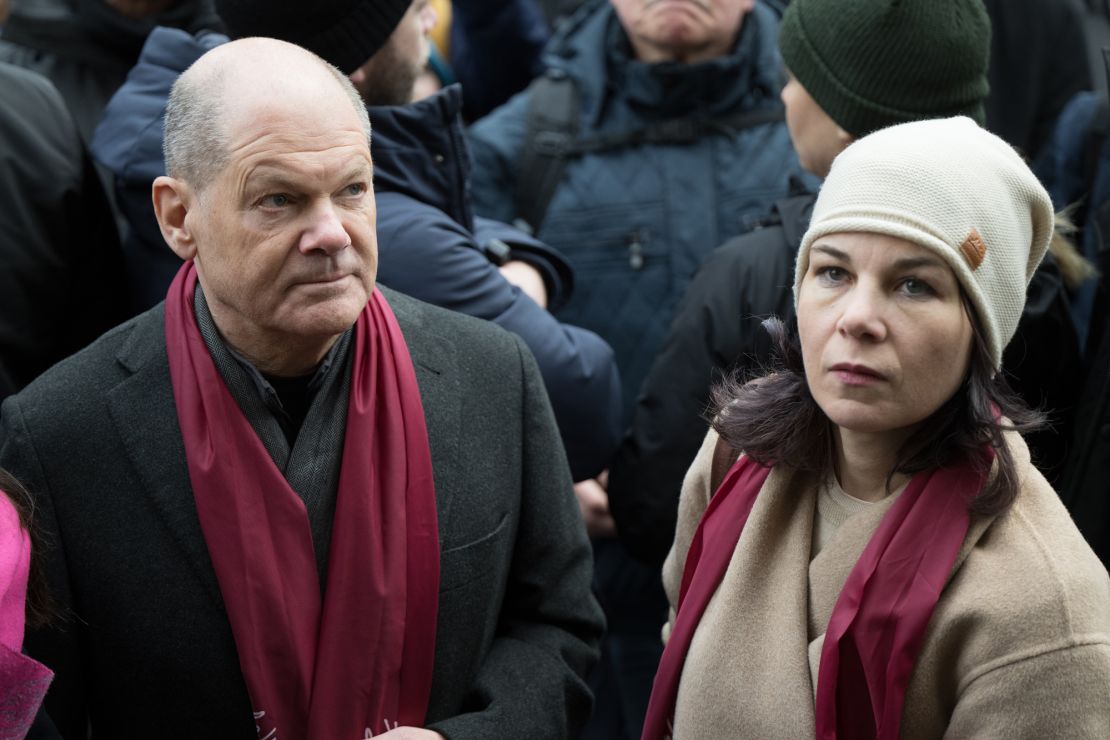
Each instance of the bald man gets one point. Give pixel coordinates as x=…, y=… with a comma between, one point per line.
x=287, y=503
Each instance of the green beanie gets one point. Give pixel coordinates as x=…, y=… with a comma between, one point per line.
x=875, y=63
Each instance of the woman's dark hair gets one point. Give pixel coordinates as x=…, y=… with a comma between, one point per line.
x=774, y=417
x=39, y=604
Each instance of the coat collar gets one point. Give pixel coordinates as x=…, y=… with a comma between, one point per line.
x=594, y=49
x=419, y=150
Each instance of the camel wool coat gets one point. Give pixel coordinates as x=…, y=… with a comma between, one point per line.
x=1018, y=646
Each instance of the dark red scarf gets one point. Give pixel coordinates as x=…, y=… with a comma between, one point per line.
x=362, y=659
x=880, y=617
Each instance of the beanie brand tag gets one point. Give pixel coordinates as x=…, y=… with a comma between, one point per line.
x=974, y=249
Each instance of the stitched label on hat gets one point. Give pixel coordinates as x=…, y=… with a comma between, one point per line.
x=974, y=249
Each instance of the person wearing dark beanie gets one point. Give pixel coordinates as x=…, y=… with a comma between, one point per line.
x=867, y=64
x=344, y=33
x=381, y=44
x=875, y=63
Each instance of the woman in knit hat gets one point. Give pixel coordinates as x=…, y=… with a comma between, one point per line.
x=883, y=560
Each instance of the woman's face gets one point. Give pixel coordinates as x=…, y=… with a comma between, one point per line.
x=885, y=337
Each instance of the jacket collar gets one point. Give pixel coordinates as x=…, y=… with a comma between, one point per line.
x=419, y=150
x=594, y=49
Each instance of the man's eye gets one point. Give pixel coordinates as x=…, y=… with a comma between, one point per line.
x=275, y=200
x=356, y=188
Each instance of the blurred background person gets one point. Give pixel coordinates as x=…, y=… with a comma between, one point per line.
x=86, y=47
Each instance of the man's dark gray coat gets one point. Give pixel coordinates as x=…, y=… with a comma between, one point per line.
x=149, y=652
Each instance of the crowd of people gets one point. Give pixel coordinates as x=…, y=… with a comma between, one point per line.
x=592, y=369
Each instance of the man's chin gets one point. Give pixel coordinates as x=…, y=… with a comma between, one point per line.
x=328, y=317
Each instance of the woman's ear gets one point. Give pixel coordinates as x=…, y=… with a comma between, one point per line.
x=172, y=200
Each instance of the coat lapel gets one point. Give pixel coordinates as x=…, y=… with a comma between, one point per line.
x=434, y=358
x=143, y=411
x=747, y=672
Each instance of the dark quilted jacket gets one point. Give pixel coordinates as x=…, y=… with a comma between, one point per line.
x=635, y=223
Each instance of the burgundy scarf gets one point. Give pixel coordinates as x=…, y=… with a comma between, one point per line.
x=359, y=663
x=880, y=617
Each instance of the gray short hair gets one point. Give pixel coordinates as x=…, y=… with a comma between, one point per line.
x=194, y=142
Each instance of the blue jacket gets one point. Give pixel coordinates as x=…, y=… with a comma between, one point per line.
x=636, y=222
x=430, y=245
x=128, y=141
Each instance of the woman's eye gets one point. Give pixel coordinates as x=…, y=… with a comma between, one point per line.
x=831, y=275
x=916, y=287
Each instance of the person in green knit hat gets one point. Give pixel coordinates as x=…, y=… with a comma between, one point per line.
x=855, y=66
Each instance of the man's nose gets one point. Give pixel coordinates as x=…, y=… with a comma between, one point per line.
x=325, y=231
x=862, y=313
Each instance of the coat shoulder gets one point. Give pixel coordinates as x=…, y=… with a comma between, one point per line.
x=91, y=372
x=423, y=323
x=1029, y=586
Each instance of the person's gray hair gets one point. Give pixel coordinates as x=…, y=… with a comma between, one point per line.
x=194, y=142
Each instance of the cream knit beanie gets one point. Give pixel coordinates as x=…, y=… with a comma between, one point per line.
x=955, y=189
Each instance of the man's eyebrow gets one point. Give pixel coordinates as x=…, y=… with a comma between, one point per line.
x=273, y=179
x=268, y=176
x=358, y=170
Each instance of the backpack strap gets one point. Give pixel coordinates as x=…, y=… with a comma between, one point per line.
x=687, y=130
x=552, y=125
x=724, y=456
x=551, y=139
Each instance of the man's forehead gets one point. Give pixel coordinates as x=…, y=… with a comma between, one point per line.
x=310, y=122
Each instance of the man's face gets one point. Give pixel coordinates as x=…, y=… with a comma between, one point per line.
x=681, y=30
x=389, y=76
x=816, y=137
x=285, y=235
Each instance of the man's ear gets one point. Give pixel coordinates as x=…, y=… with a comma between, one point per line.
x=844, y=137
x=172, y=200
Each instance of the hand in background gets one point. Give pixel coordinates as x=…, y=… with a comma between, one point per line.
x=593, y=502
x=527, y=278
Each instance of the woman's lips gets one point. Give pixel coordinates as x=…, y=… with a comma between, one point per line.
x=857, y=375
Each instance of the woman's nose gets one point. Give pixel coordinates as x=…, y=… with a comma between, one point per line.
x=862, y=313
